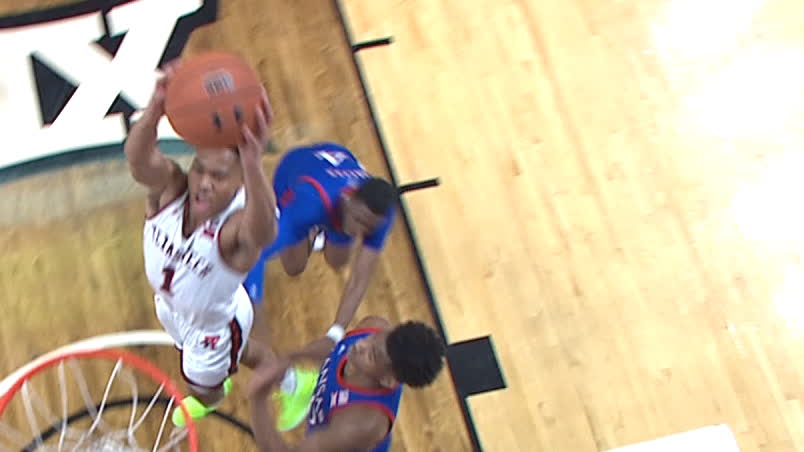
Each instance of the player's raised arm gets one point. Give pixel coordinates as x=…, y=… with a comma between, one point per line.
x=148, y=166
x=258, y=223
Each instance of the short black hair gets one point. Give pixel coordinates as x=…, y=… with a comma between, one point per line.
x=416, y=352
x=378, y=195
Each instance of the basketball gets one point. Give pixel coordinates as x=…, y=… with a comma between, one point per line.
x=210, y=96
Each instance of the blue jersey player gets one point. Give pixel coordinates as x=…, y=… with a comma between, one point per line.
x=323, y=189
x=358, y=390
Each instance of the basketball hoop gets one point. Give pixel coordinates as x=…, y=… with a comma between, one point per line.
x=48, y=406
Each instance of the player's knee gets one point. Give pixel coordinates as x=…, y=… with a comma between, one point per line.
x=336, y=259
x=207, y=396
x=294, y=260
x=294, y=268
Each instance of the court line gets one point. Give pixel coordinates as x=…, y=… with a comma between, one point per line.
x=467, y=415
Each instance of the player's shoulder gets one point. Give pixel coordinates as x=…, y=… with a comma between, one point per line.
x=159, y=204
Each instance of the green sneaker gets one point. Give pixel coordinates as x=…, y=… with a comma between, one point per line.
x=196, y=409
x=294, y=407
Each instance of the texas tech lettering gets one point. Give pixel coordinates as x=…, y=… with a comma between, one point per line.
x=181, y=257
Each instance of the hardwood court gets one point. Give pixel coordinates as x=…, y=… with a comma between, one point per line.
x=618, y=207
x=72, y=264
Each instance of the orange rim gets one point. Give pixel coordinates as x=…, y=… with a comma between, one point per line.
x=112, y=355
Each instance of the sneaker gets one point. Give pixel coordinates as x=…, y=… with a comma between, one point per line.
x=197, y=409
x=317, y=239
x=294, y=406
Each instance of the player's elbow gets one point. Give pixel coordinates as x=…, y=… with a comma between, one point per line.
x=135, y=149
x=138, y=172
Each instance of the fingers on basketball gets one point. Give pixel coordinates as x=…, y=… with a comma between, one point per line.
x=248, y=138
x=267, y=110
x=169, y=68
x=262, y=123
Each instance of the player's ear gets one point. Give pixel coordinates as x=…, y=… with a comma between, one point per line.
x=389, y=381
x=348, y=200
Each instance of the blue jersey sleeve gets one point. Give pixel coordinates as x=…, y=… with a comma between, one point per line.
x=377, y=239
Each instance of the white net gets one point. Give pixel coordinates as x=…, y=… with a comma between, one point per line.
x=91, y=404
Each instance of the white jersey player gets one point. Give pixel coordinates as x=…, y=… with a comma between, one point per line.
x=204, y=230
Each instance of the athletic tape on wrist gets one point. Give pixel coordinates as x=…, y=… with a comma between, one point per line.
x=336, y=333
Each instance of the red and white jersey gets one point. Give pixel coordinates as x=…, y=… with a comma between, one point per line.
x=188, y=273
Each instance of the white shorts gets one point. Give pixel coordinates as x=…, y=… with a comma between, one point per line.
x=209, y=356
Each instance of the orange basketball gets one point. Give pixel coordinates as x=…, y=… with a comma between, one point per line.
x=209, y=97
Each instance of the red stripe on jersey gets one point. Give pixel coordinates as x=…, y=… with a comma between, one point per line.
x=336, y=222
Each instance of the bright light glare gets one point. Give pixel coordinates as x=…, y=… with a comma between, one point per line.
x=696, y=29
x=768, y=209
x=758, y=96
x=788, y=299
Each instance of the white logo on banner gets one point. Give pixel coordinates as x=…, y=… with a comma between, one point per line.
x=67, y=46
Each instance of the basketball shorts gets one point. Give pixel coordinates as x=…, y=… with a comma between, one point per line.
x=209, y=356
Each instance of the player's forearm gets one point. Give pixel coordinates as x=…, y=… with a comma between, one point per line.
x=263, y=420
x=141, y=140
x=259, y=213
x=352, y=295
x=362, y=271
x=316, y=351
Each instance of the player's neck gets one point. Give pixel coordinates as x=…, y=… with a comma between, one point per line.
x=339, y=209
x=192, y=222
x=354, y=378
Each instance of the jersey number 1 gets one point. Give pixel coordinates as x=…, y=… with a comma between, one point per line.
x=167, y=273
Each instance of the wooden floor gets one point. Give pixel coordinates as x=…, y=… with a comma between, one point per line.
x=72, y=264
x=618, y=209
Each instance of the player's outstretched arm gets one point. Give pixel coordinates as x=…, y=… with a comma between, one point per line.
x=363, y=268
x=318, y=350
x=258, y=224
x=359, y=278
x=148, y=166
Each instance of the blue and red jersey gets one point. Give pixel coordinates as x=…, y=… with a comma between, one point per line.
x=309, y=183
x=332, y=393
